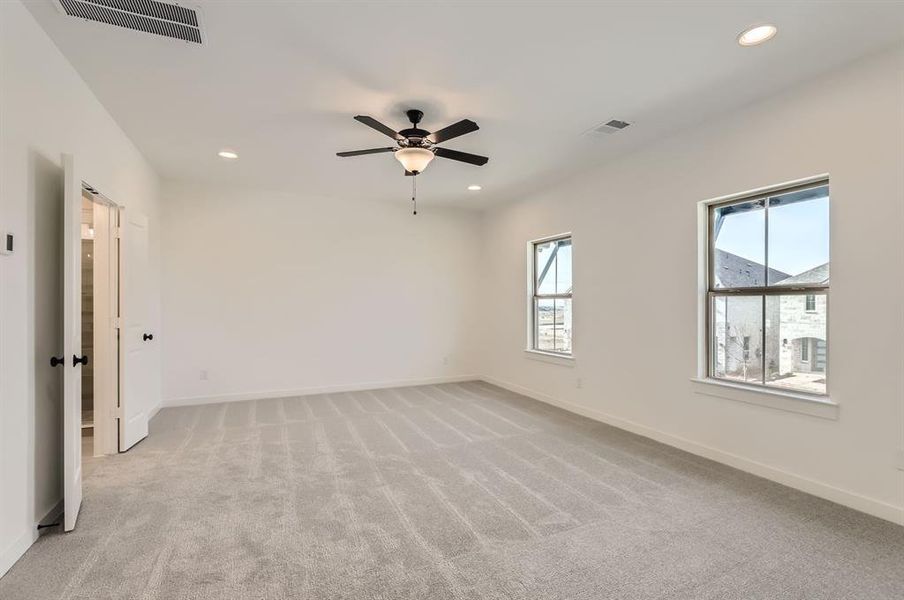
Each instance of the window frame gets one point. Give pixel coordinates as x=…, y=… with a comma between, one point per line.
x=534, y=297
x=711, y=291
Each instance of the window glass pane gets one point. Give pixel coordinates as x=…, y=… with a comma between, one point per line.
x=563, y=267
x=796, y=351
x=799, y=238
x=545, y=326
x=545, y=267
x=563, y=325
x=737, y=338
x=553, y=267
x=739, y=245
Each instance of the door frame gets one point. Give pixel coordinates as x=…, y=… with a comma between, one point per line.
x=107, y=305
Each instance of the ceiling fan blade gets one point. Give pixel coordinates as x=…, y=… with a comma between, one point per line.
x=371, y=122
x=360, y=152
x=453, y=131
x=473, y=159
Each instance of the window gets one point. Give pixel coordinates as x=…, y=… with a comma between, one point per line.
x=551, y=295
x=767, y=289
x=810, y=303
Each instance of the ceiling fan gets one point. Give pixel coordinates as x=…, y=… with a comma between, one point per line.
x=415, y=147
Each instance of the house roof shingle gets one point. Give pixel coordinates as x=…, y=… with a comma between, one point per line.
x=732, y=270
x=817, y=275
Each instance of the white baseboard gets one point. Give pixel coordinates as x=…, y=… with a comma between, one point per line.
x=15, y=550
x=877, y=508
x=329, y=389
x=52, y=514
x=153, y=412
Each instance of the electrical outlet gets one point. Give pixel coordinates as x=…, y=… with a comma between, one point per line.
x=579, y=383
x=204, y=375
x=899, y=460
x=445, y=360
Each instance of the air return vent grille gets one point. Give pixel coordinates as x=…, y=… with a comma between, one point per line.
x=616, y=124
x=160, y=18
x=609, y=127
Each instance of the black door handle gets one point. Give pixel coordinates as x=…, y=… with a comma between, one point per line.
x=147, y=336
x=76, y=361
x=54, y=361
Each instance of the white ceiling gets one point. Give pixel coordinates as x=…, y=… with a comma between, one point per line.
x=280, y=82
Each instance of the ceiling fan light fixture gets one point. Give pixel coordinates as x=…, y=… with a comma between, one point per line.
x=415, y=160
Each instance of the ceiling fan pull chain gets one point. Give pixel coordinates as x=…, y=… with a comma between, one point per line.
x=414, y=192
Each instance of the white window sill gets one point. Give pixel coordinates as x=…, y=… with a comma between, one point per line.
x=565, y=360
x=779, y=399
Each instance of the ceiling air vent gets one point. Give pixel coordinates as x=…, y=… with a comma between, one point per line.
x=612, y=126
x=160, y=18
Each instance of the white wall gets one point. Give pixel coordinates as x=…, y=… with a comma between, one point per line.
x=46, y=109
x=275, y=293
x=635, y=286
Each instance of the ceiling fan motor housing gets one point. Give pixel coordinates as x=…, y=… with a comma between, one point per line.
x=415, y=137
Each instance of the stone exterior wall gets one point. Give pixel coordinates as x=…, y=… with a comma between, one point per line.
x=798, y=327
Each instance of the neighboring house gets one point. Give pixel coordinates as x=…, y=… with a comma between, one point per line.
x=803, y=325
x=795, y=323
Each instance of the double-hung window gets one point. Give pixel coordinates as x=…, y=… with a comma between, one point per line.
x=551, y=295
x=767, y=289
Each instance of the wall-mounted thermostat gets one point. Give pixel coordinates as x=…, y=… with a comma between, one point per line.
x=6, y=243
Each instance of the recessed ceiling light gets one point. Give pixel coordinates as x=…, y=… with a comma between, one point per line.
x=474, y=188
x=757, y=35
x=228, y=154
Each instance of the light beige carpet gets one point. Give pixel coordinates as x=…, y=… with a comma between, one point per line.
x=450, y=491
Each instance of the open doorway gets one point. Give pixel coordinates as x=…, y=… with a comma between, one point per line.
x=100, y=393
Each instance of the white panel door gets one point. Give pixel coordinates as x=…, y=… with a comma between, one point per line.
x=135, y=335
x=72, y=343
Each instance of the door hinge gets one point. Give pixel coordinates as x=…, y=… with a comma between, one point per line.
x=116, y=322
x=118, y=232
